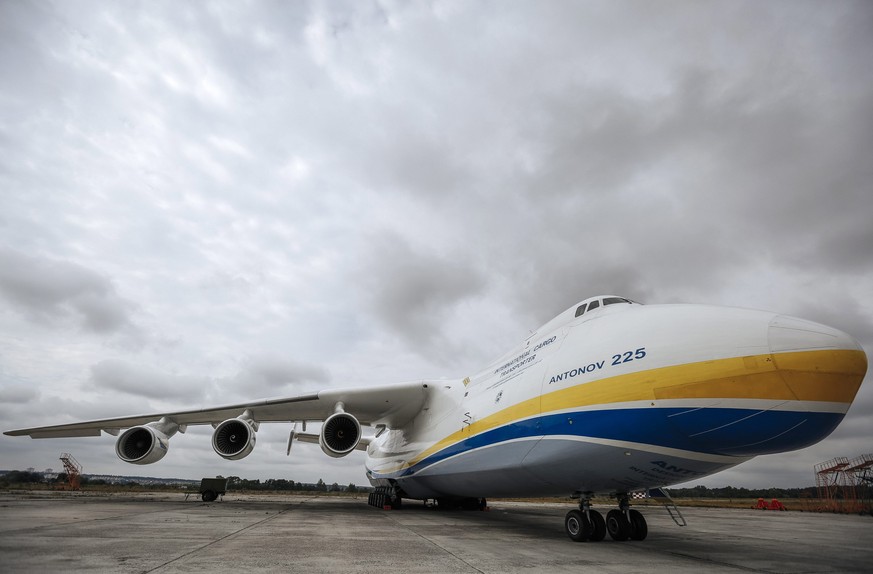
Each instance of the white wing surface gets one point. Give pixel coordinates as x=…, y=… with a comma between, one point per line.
x=389, y=405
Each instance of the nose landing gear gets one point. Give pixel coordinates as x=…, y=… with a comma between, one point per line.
x=622, y=523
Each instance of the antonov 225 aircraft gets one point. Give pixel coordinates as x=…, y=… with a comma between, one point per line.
x=611, y=397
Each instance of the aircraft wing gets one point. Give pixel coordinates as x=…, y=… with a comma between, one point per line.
x=389, y=405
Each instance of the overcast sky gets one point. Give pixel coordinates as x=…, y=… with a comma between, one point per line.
x=205, y=203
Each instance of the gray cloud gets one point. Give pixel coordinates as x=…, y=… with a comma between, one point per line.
x=148, y=382
x=18, y=394
x=413, y=290
x=261, y=376
x=50, y=289
x=271, y=375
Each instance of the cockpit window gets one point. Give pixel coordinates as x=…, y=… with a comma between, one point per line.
x=595, y=303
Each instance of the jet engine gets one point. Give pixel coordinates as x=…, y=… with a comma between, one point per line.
x=143, y=444
x=235, y=438
x=340, y=434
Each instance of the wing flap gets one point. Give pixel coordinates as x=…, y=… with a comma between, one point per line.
x=63, y=433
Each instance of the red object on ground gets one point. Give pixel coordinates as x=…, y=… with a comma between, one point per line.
x=773, y=505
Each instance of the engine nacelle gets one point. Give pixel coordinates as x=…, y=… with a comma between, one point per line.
x=142, y=445
x=234, y=438
x=339, y=435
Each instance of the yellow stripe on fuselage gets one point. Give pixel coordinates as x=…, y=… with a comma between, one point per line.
x=818, y=376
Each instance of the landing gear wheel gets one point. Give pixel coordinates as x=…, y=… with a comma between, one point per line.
x=617, y=525
x=598, y=526
x=639, y=529
x=576, y=526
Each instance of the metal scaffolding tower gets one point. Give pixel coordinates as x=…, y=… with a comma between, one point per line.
x=861, y=471
x=73, y=470
x=845, y=486
x=834, y=484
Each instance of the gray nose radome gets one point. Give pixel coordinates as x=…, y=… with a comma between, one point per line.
x=787, y=334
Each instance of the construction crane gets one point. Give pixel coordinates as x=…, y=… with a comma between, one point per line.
x=73, y=470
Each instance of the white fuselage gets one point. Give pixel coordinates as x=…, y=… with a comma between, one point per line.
x=621, y=398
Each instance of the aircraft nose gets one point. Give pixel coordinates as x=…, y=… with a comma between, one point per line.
x=816, y=362
x=785, y=400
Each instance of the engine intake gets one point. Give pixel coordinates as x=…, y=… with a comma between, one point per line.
x=235, y=438
x=339, y=435
x=142, y=445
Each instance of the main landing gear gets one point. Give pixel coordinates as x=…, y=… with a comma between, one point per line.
x=622, y=523
x=385, y=497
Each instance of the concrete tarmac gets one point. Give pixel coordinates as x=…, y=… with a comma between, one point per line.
x=164, y=533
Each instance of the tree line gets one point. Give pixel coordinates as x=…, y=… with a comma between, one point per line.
x=729, y=492
x=16, y=477
x=20, y=477
x=282, y=484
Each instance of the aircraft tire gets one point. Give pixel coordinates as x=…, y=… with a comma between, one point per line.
x=639, y=529
x=617, y=525
x=576, y=526
x=598, y=526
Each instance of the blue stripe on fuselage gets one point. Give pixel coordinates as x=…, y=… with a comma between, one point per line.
x=720, y=431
